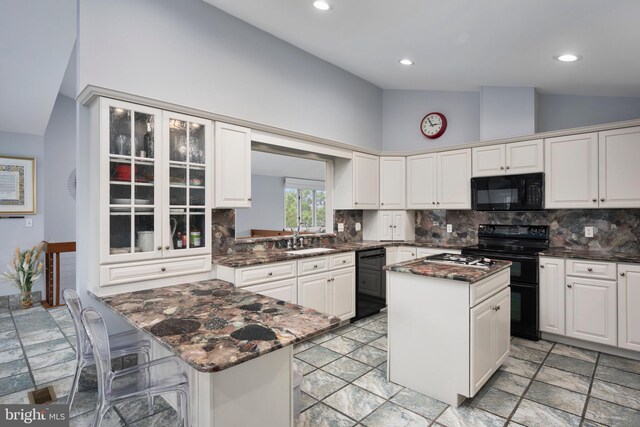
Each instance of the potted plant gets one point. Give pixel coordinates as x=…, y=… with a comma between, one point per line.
x=24, y=270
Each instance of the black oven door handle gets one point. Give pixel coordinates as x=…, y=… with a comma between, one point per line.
x=373, y=256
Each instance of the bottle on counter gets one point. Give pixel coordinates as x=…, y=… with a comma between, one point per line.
x=179, y=241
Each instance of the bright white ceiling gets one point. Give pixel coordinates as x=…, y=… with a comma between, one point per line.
x=465, y=44
x=37, y=39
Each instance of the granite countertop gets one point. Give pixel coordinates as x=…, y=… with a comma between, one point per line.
x=592, y=255
x=213, y=325
x=447, y=271
x=278, y=255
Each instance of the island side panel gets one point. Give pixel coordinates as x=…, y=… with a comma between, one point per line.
x=258, y=392
x=429, y=335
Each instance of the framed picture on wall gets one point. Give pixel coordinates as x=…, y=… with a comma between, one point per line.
x=17, y=185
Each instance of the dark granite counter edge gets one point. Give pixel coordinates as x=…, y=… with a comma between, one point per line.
x=218, y=368
x=399, y=268
x=280, y=255
x=592, y=256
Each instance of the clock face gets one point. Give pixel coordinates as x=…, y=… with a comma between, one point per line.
x=433, y=125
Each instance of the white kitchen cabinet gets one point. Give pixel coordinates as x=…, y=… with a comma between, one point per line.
x=440, y=180
x=510, y=159
x=552, y=300
x=393, y=179
x=454, y=179
x=285, y=290
x=232, y=166
x=389, y=225
x=342, y=295
x=628, y=303
x=619, y=172
x=406, y=253
x=155, y=193
x=356, y=182
x=490, y=337
x=571, y=171
x=422, y=176
x=591, y=310
x=391, y=254
x=313, y=292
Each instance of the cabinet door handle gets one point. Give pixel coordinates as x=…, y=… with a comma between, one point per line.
x=541, y=266
x=622, y=274
x=569, y=285
x=344, y=261
x=249, y=199
x=159, y=248
x=163, y=269
x=501, y=167
x=508, y=167
x=315, y=266
x=602, y=200
x=328, y=280
x=167, y=247
x=394, y=226
x=433, y=203
x=355, y=203
x=437, y=203
x=589, y=269
x=269, y=274
x=382, y=203
x=333, y=279
x=594, y=200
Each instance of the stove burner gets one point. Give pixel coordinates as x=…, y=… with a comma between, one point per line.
x=453, y=259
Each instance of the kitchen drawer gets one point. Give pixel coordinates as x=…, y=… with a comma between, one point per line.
x=343, y=260
x=489, y=286
x=265, y=273
x=423, y=252
x=284, y=290
x=313, y=265
x=116, y=274
x=593, y=269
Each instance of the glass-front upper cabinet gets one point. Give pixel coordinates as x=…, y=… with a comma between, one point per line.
x=130, y=189
x=187, y=145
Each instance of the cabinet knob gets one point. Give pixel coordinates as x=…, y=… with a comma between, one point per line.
x=249, y=199
x=569, y=285
x=355, y=203
x=163, y=269
x=501, y=167
x=602, y=200
x=589, y=269
x=508, y=167
x=344, y=261
x=167, y=247
x=328, y=280
x=395, y=226
x=391, y=226
x=382, y=203
x=622, y=274
x=541, y=266
x=594, y=200
x=433, y=203
x=333, y=279
x=269, y=274
x=315, y=266
x=437, y=203
x=159, y=248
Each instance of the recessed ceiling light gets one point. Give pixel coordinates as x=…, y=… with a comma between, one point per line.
x=567, y=57
x=322, y=5
x=406, y=61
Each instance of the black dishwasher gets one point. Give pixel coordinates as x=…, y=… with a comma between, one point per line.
x=370, y=282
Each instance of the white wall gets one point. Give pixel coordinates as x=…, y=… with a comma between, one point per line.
x=193, y=54
x=402, y=111
x=507, y=112
x=269, y=164
x=13, y=231
x=556, y=112
x=267, y=206
x=59, y=162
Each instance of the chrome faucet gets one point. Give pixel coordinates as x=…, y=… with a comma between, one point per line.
x=296, y=235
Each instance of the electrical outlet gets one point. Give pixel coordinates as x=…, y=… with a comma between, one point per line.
x=588, y=232
x=28, y=222
x=449, y=228
x=341, y=226
x=358, y=226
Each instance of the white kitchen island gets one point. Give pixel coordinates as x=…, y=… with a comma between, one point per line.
x=449, y=327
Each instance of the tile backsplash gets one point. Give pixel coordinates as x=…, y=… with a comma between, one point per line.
x=615, y=230
x=349, y=219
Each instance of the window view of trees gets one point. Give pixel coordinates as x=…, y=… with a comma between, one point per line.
x=307, y=206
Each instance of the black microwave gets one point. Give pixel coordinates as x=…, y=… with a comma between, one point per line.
x=508, y=192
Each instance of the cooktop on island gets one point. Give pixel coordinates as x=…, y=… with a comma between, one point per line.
x=465, y=260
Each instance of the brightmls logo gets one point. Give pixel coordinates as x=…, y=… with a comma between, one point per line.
x=34, y=415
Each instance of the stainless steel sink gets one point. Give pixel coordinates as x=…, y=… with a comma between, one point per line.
x=310, y=251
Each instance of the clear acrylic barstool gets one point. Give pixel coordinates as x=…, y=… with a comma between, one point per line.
x=123, y=344
x=153, y=378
